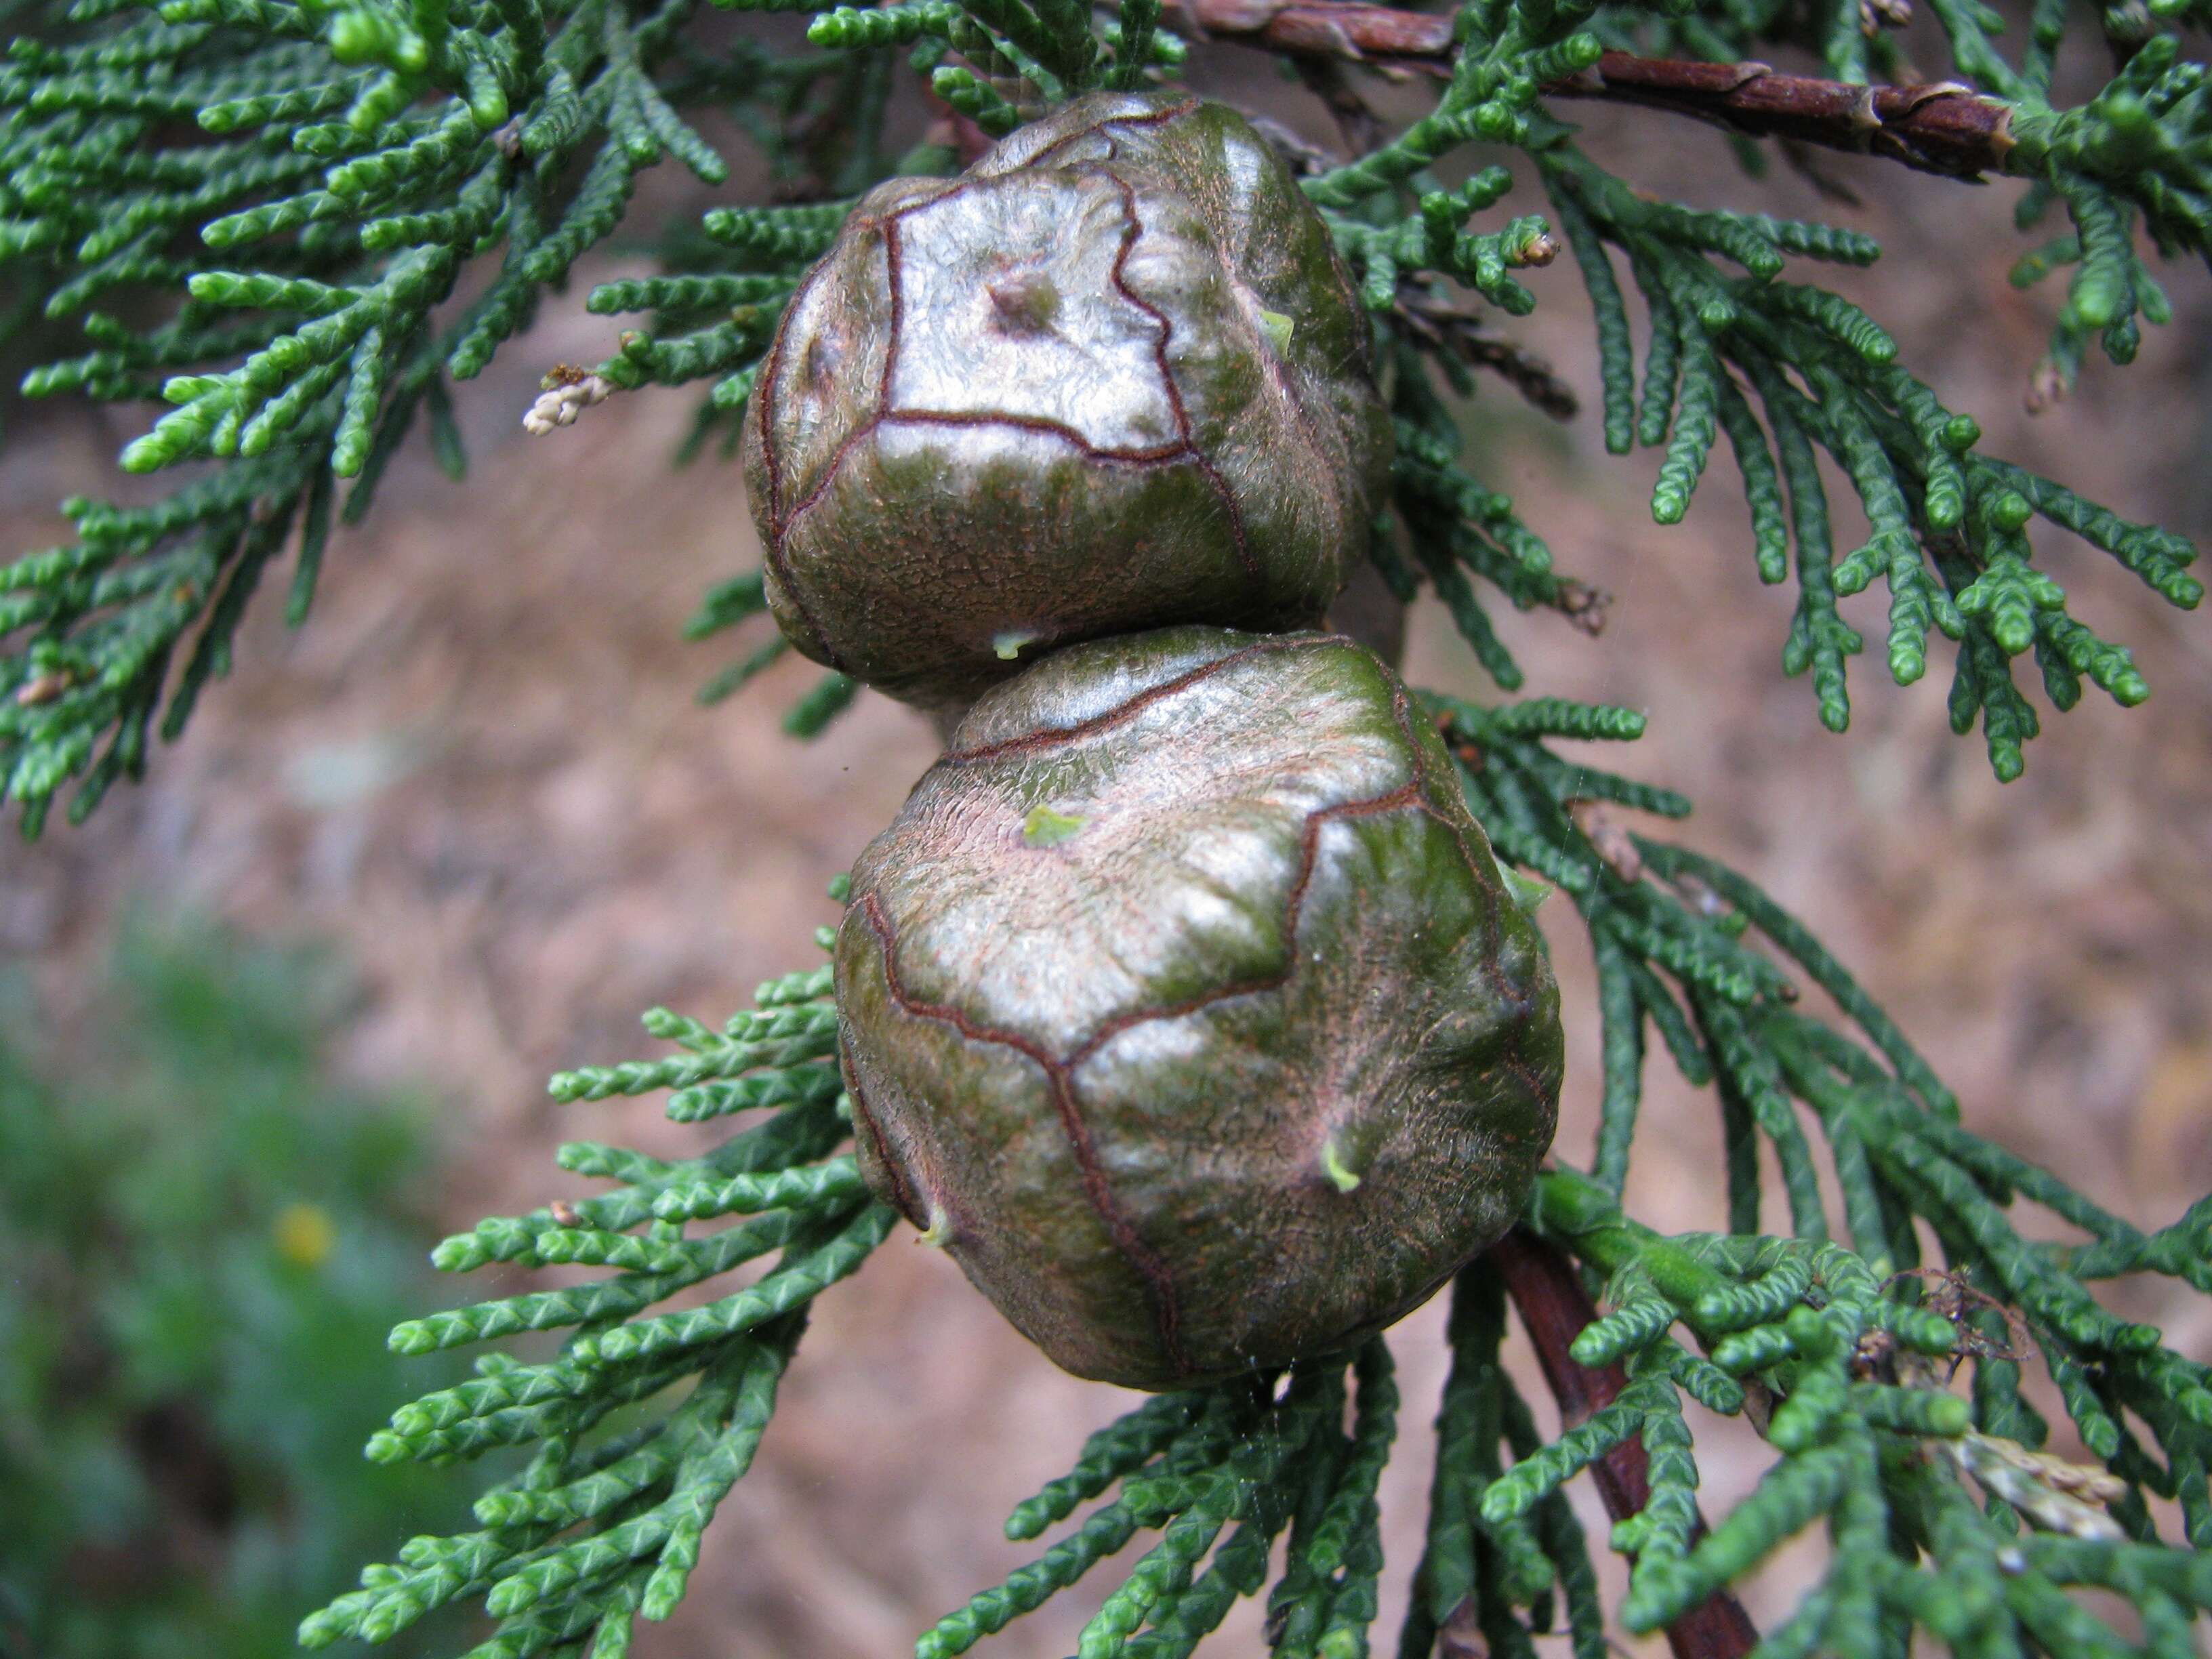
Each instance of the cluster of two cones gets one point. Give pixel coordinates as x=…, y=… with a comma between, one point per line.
x=1184, y=1002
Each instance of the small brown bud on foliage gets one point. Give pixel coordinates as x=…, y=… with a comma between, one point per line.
x=1114, y=376
x=1184, y=1004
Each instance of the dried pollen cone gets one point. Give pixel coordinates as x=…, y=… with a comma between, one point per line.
x=1114, y=376
x=1183, y=1003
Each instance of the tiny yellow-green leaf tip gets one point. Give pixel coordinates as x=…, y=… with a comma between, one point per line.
x=1334, y=1166
x=1045, y=827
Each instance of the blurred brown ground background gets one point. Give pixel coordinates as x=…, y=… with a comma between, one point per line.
x=480, y=768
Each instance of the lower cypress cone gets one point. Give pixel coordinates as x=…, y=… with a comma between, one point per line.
x=1185, y=1005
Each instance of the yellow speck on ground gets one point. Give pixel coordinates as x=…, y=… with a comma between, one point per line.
x=303, y=1234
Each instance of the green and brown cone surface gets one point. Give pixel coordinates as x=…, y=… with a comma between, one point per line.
x=1113, y=377
x=1183, y=1003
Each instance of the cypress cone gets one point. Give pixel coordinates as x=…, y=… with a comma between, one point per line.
x=1113, y=377
x=1185, y=1005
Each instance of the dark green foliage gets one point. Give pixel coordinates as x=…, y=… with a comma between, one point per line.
x=181, y=1478
x=349, y=167
x=1947, y=524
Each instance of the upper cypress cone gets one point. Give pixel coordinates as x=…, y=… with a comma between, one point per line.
x=1114, y=376
x=1185, y=1005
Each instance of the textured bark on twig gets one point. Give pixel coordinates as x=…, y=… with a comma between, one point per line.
x=1547, y=1293
x=1943, y=128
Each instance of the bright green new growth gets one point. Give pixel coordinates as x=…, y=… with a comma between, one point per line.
x=595, y=1531
x=283, y=278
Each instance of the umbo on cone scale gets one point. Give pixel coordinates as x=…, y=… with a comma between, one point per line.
x=1113, y=377
x=1183, y=1003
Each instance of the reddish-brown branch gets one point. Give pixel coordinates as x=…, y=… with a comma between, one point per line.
x=1943, y=128
x=1548, y=1295
x=1323, y=29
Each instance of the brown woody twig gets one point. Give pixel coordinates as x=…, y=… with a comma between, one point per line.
x=1547, y=1293
x=1943, y=128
